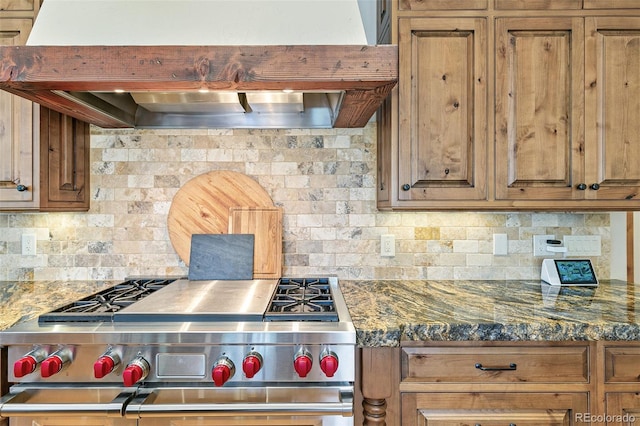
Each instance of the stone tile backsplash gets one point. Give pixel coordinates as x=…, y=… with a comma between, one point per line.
x=324, y=180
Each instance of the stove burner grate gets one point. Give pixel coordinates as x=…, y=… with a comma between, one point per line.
x=101, y=306
x=302, y=299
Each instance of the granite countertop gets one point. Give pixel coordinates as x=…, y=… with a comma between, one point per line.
x=24, y=300
x=388, y=312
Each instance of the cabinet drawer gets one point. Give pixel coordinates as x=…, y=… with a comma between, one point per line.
x=538, y=4
x=496, y=364
x=622, y=365
x=611, y=4
x=442, y=4
x=16, y=5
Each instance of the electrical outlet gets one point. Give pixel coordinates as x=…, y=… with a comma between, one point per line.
x=388, y=245
x=540, y=245
x=29, y=244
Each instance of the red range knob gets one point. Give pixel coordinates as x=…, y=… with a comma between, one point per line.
x=220, y=374
x=329, y=364
x=25, y=365
x=251, y=364
x=51, y=366
x=103, y=366
x=132, y=375
x=302, y=365
x=223, y=370
x=137, y=370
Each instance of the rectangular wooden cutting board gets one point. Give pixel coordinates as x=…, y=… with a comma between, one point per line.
x=266, y=224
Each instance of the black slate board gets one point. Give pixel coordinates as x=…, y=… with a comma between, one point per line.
x=221, y=257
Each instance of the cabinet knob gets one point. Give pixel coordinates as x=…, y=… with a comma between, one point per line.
x=406, y=187
x=21, y=188
x=594, y=186
x=581, y=186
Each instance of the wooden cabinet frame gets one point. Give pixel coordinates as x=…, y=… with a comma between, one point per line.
x=610, y=388
x=573, y=119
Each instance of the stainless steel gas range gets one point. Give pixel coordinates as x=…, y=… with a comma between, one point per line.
x=180, y=352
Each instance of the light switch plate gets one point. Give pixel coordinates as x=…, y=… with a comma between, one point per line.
x=500, y=245
x=583, y=245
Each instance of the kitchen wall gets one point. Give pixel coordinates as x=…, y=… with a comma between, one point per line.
x=324, y=180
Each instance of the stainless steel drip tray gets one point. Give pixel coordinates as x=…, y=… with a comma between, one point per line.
x=214, y=300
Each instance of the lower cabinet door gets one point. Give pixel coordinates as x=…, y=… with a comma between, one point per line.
x=623, y=408
x=494, y=409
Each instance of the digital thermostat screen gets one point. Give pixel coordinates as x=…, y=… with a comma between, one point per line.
x=576, y=272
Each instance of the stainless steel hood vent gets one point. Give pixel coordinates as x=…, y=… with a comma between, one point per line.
x=202, y=63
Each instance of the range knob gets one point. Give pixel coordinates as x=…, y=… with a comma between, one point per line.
x=137, y=370
x=29, y=362
x=302, y=362
x=328, y=363
x=55, y=362
x=107, y=362
x=222, y=371
x=251, y=364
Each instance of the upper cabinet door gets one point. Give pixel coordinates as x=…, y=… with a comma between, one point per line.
x=612, y=102
x=442, y=137
x=18, y=185
x=539, y=104
x=64, y=162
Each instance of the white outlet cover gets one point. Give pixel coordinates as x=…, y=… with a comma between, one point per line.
x=540, y=245
x=387, y=245
x=29, y=244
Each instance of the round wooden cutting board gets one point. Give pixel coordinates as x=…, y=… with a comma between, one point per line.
x=202, y=205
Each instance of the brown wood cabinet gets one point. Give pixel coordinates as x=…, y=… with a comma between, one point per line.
x=442, y=116
x=492, y=408
x=521, y=384
x=44, y=156
x=539, y=132
x=502, y=383
x=513, y=104
x=621, y=382
x=19, y=186
x=64, y=162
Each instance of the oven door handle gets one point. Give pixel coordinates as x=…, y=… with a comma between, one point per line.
x=17, y=405
x=139, y=408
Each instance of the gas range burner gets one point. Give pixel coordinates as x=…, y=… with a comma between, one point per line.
x=302, y=299
x=101, y=306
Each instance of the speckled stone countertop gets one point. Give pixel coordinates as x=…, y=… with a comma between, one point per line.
x=388, y=312
x=20, y=301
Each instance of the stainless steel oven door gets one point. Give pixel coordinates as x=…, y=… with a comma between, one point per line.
x=66, y=405
x=318, y=405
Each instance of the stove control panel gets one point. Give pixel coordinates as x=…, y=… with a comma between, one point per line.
x=130, y=364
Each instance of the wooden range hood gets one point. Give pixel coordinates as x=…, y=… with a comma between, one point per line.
x=203, y=63
x=94, y=83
